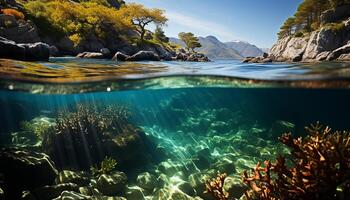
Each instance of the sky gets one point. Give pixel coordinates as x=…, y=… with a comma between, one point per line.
x=254, y=21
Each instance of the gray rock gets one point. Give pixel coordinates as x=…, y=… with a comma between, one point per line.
x=146, y=181
x=134, y=193
x=9, y=49
x=295, y=49
x=235, y=187
x=197, y=57
x=169, y=168
x=322, y=56
x=80, y=178
x=54, y=51
x=36, y=51
x=93, y=55
x=338, y=52
x=186, y=188
x=25, y=170
x=105, y=51
x=339, y=13
x=51, y=192
x=144, y=56
x=344, y=57
x=119, y=56
x=113, y=184
x=68, y=195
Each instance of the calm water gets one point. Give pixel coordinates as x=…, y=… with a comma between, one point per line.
x=185, y=122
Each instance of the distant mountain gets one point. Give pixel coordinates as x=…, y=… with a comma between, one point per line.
x=213, y=48
x=245, y=49
x=266, y=50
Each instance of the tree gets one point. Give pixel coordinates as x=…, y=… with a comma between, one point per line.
x=190, y=41
x=287, y=28
x=141, y=16
x=159, y=35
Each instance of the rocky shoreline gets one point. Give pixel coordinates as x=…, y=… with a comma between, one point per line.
x=326, y=44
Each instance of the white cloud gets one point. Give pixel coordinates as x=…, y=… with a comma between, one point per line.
x=208, y=27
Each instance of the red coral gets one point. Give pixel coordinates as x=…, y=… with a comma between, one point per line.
x=321, y=168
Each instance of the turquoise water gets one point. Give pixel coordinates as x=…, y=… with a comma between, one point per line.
x=184, y=124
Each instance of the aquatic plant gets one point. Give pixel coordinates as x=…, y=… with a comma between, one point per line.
x=38, y=128
x=215, y=187
x=320, y=170
x=92, y=118
x=83, y=138
x=106, y=166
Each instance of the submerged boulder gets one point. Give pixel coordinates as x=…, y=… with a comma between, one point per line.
x=112, y=184
x=25, y=170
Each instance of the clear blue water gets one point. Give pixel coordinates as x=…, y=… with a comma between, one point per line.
x=194, y=119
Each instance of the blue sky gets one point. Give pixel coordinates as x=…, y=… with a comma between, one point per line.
x=254, y=21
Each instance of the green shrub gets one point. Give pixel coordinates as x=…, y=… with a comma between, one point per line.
x=299, y=34
x=335, y=27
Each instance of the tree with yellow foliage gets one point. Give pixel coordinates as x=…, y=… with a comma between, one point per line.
x=141, y=16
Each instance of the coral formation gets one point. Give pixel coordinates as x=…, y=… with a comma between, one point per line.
x=106, y=166
x=320, y=169
x=215, y=187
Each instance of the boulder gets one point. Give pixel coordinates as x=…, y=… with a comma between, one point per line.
x=197, y=57
x=338, y=52
x=295, y=49
x=36, y=51
x=344, y=57
x=337, y=14
x=144, y=56
x=146, y=181
x=79, y=178
x=322, y=56
x=54, y=51
x=112, y=184
x=65, y=195
x=51, y=192
x=25, y=170
x=93, y=55
x=235, y=187
x=119, y=56
x=134, y=193
x=9, y=49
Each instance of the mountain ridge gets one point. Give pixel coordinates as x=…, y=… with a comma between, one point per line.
x=214, y=48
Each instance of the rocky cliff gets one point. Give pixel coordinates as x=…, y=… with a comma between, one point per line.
x=330, y=42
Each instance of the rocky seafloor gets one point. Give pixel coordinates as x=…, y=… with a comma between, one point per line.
x=153, y=161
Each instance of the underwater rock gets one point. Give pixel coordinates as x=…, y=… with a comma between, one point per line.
x=25, y=170
x=134, y=193
x=113, y=184
x=79, y=178
x=186, y=188
x=147, y=181
x=51, y=192
x=171, y=193
x=169, y=167
x=234, y=187
x=225, y=166
x=65, y=195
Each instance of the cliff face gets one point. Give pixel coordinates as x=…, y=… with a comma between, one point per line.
x=331, y=42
